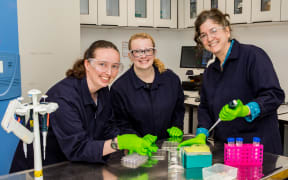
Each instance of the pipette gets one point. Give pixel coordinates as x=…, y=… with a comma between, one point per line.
x=232, y=105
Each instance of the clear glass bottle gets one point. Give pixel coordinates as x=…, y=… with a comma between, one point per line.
x=230, y=152
x=231, y=141
x=256, y=149
x=239, y=141
x=256, y=141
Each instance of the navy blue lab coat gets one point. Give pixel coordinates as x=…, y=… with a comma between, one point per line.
x=248, y=75
x=142, y=110
x=78, y=128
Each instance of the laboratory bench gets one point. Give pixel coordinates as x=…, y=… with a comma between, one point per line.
x=154, y=170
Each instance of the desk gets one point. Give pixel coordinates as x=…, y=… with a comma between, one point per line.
x=191, y=105
x=283, y=126
x=114, y=170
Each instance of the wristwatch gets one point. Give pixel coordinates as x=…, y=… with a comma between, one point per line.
x=114, y=144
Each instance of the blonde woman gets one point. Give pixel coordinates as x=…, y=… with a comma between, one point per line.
x=148, y=98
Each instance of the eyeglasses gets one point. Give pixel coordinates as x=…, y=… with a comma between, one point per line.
x=212, y=32
x=140, y=52
x=103, y=66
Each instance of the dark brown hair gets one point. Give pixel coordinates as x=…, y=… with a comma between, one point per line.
x=78, y=70
x=213, y=14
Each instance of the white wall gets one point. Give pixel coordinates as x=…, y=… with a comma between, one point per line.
x=272, y=37
x=49, y=41
x=168, y=43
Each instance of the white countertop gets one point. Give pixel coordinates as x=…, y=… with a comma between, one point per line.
x=192, y=95
x=282, y=112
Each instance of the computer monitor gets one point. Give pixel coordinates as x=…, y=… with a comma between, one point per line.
x=192, y=57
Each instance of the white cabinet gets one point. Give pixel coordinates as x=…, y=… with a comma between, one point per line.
x=103, y=12
x=192, y=9
x=140, y=13
x=284, y=10
x=88, y=11
x=169, y=13
x=165, y=13
x=151, y=13
x=239, y=11
x=112, y=12
x=265, y=10
x=188, y=11
x=220, y=4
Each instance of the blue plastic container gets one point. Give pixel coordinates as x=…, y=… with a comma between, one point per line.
x=197, y=157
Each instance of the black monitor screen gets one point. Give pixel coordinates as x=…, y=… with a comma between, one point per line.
x=192, y=57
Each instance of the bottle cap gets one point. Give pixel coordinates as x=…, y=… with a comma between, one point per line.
x=256, y=139
x=239, y=139
x=230, y=139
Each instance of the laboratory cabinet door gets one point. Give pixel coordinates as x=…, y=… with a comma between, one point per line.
x=239, y=11
x=265, y=10
x=284, y=10
x=88, y=11
x=219, y=4
x=165, y=13
x=192, y=8
x=112, y=12
x=140, y=13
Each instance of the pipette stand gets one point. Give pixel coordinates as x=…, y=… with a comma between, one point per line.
x=9, y=123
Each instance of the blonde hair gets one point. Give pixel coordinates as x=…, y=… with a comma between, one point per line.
x=159, y=64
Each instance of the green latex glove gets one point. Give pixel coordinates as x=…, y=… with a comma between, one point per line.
x=134, y=144
x=150, y=163
x=150, y=138
x=229, y=114
x=151, y=148
x=199, y=139
x=174, y=131
x=175, y=139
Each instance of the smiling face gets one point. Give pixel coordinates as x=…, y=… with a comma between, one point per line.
x=98, y=76
x=143, y=60
x=216, y=39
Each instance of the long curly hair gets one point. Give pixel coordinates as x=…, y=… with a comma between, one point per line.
x=215, y=15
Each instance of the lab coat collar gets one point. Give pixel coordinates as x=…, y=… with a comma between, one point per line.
x=233, y=56
x=138, y=83
x=85, y=92
x=87, y=97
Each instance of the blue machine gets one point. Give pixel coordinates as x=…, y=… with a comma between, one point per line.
x=10, y=81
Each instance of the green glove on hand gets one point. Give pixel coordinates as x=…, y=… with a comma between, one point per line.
x=150, y=163
x=134, y=144
x=199, y=139
x=229, y=114
x=150, y=138
x=174, y=131
x=152, y=148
